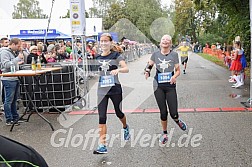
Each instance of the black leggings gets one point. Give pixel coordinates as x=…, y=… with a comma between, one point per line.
x=169, y=95
x=103, y=104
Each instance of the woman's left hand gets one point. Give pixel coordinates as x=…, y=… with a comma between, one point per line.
x=173, y=80
x=114, y=72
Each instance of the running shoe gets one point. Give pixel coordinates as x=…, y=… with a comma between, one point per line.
x=11, y=123
x=102, y=149
x=238, y=85
x=232, y=80
x=184, y=71
x=8, y=123
x=234, y=85
x=126, y=133
x=163, y=139
x=181, y=124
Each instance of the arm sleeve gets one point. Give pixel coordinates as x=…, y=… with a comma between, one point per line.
x=119, y=57
x=152, y=57
x=176, y=58
x=6, y=59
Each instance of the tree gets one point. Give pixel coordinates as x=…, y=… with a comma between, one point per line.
x=28, y=9
x=93, y=12
x=68, y=14
x=135, y=17
x=238, y=22
x=115, y=13
x=233, y=20
x=142, y=13
x=100, y=8
x=185, y=20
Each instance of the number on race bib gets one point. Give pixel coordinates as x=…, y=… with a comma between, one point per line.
x=106, y=81
x=164, y=77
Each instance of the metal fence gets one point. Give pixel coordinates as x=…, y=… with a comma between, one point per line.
x=133, y=52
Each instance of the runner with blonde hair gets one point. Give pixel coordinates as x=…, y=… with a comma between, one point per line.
x=164, y=84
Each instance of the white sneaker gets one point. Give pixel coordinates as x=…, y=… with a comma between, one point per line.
x=232, y=80
x=234, y=85
x=238, y=85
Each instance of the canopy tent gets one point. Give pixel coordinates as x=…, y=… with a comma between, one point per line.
x=90, y=40
x=63, y=36
x=93, y=26
x=33, y=36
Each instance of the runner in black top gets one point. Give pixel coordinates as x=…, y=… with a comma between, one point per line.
x=109, y=88
x=164, y=83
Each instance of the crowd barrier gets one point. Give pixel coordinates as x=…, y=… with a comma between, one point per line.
x=133, y=52
x=214, y=52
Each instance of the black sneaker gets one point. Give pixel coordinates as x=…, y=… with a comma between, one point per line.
x=184, y=71
x=10, y=123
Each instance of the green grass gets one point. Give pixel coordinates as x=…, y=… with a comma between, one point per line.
x=213, y=59
x=219, y=62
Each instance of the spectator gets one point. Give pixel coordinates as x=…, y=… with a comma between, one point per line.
x=61, y=54
x=34, y=53
x=4, y=42
x=11, y=84
x=25, y=51
x=51, y=54
x=41, y=53
x=69, y=47
x=196, y=47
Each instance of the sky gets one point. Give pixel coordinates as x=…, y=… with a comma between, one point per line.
x=59, y=7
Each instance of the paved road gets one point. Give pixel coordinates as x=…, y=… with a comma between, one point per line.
x=213, y=138
x=205, y=85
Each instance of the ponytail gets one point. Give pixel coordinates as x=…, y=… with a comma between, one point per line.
x=116, y=48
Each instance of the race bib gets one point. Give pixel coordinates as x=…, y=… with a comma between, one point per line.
x=164, y=77
x=106, y=81
x=184, y=53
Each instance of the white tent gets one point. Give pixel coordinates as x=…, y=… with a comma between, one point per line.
x=13, y=26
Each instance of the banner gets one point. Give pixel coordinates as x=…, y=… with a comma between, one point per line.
x=37, y=32
x=77, y=17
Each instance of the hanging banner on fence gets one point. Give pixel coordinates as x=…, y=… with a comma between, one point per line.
x=77, y=17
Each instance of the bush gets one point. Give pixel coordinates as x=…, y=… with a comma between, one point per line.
x=210, y=38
